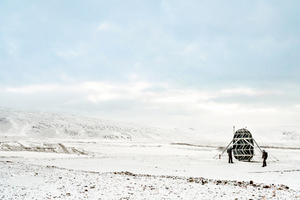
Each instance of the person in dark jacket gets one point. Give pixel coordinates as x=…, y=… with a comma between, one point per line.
x=264, y=156
x=229, y=151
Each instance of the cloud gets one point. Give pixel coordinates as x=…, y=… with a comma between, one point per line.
x=138, y=91
x=107, y=26
x=34, y=89
x=168, y=58
x=158, y=103
x=246, y=91
x=94, y=91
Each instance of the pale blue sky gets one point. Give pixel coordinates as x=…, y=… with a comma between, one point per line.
x=154, y=62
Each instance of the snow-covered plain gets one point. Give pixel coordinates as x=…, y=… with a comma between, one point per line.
x=47, y=156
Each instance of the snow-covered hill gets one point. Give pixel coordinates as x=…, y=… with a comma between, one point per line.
x=19, y=123
x=24, y=124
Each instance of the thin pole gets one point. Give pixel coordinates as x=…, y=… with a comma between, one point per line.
x=275, y=157
x=224, y=149
x=257, y=145
x=261, y=150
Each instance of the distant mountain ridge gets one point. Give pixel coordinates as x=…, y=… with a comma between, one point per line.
x=52, y=125
x=19, y=123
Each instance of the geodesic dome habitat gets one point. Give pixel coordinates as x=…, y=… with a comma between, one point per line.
x=243, y=145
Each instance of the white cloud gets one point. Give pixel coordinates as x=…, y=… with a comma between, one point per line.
x=141, y=91
x=103, y=26
x=245, y=91
x=107, y=26
x=144, y=99
x=103, y=97
x=94, y=91
x=34, y=89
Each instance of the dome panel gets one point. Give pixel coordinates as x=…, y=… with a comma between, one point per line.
x=243, y=145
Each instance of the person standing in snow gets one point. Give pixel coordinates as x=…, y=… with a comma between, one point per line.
x=229, y=151
x=264, y=156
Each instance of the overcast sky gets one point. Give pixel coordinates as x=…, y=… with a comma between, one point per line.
x=158, y=62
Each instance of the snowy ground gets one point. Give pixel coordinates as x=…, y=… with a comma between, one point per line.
x=39, y=182
x=49, y=156
x=154, y=171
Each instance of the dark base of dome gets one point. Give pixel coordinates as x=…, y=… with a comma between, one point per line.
x=243, y=158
